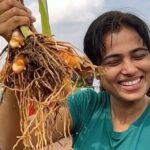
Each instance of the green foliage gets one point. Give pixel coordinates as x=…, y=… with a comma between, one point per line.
x=43, y=9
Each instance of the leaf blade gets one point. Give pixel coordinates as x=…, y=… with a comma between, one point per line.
x=43, y=9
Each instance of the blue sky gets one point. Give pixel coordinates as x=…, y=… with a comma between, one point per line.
x=70, y=18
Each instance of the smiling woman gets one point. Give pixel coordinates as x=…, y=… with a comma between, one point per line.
x=127, y=65
x=118, y=43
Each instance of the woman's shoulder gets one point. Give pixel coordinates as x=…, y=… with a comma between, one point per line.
x=84, y=94
x=89, y=96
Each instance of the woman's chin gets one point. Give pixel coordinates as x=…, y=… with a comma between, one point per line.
x=130, y=97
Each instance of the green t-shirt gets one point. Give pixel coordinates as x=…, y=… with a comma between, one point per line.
x=93, y=129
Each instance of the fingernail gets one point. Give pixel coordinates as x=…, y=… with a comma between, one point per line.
x=33, y=18
x=29, y=11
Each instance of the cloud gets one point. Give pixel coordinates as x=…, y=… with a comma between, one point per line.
x=73, y=10
x=64, y=11
x=71, y=18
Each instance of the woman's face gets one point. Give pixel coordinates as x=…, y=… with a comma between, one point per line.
x=127, y=64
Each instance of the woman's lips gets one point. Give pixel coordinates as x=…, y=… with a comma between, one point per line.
x=131, y=85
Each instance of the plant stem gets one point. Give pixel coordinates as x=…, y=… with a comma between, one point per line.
x=43, y=8
x=26, y=31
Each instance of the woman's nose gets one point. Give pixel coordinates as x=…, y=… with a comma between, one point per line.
x=129, y=67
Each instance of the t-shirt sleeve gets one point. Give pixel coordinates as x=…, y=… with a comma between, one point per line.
x=81, y=105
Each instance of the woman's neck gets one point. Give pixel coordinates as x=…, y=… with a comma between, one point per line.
x=125, y=113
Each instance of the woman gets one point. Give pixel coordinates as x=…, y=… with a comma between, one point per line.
x=118, y=117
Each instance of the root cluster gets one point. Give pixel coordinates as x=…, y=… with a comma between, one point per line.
x=43, y=86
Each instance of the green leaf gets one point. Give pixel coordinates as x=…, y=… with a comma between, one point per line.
x=43, y=8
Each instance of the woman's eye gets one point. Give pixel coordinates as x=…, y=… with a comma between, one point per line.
x=111, y=63
x=139, y=56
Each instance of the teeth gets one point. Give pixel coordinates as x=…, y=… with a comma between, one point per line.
x=129, y=83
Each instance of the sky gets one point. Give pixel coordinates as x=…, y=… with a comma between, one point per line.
x=70, y=19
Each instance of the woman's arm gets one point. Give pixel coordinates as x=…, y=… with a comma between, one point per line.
x=9, y=122
x=12, y=15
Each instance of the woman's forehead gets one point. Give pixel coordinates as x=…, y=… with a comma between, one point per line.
x=124, y=38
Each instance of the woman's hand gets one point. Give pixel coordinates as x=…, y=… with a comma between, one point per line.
x=13, y=14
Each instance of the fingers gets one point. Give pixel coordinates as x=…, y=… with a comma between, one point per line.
x=12, y=15
x=18, y=21
x=7, y=27
x=15, y=12
x=8, y=4
x=13, y=23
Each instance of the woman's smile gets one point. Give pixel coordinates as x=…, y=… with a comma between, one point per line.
x=131, y=85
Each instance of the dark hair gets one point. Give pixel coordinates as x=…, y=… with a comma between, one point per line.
x=109, y=22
